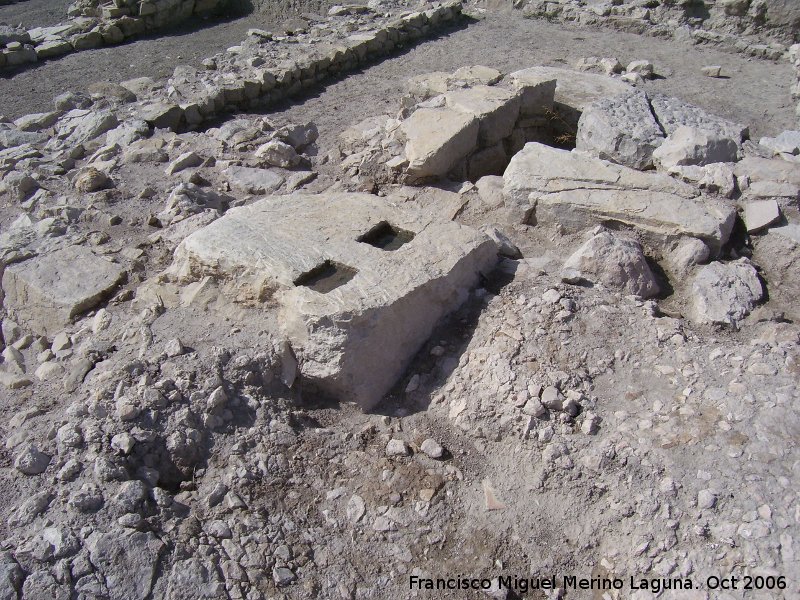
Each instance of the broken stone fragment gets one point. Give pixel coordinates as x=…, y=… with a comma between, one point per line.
x=437, y=139
x=725, y=293
x=621, y=129
x=432, y=448
x=615, y=261
x=693, y=146
x=278, y=154
x=397, y=447
x=643, y=68
x=31, y=461
x=90, y=180
x=48, y=291
x=760, y=214
x=496, y=109
x=546, y=185
x=712, y=71
x=253, y=181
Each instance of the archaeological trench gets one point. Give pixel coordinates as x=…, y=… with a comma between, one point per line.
x=400, y=299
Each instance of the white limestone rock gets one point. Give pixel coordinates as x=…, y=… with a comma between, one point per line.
x=496, y=109
x=548, y=185
x=47, y=292
x=760, y=214
x=693, y=146
x=725, y=293
x=617, y=262
x=253, y=181
x=437, y=139
x=621, y=129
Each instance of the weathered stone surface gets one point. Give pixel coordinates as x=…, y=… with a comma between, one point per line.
x=278, y=154
x=615, y=261
x=437, y=139
x=355, y=313
x=573, y=89
x=477, y=75
x=672, y=113
x=79, y=126
x=725, y=293
x=755, y=169
x=536, y=90
x=252, y=180
x=621, y=129
x=188, y=199
x=162, y=115
x=692, y=146
x=127, y=560
x=427, y=85
x=48, y=291
x=11, y=577
x=778, y=254
x=496, y=109
x=544, y=184
x=760, y=214
x=190, y=579
x=11, y=137
x=787, y=142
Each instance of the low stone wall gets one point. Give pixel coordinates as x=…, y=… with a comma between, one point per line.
x=737, y=26
x=232, y=83
x=93, y=26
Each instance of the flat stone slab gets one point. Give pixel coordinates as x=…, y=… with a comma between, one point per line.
x=47, y=292
x=252, y=180
x=359, y=284
x=621, y=129
x=545, y=184
x=574, y=89
x=760, y=214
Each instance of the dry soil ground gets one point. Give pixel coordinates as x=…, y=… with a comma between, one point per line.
x=756, y=91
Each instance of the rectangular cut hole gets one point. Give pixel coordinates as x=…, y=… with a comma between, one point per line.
x=386, y=236
x=326, y=277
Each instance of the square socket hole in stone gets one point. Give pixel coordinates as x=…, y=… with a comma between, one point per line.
x=326, y=277
x=386, y=236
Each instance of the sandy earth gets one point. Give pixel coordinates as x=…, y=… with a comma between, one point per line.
x=757, y=92
x=681, y=407
x=35, y=13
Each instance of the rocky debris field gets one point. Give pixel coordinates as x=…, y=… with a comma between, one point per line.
x=513, y=322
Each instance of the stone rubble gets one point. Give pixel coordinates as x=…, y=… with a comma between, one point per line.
x=229, y=372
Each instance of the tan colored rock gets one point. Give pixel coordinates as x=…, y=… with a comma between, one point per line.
x=544, y=184
x=47, y=292
x=496, y=109
x=359, y=284
x=437, y=139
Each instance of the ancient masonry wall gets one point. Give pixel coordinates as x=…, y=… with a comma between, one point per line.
x=108, y=24
x=197, y=96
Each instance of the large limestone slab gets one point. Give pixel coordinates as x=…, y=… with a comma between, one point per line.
x=437, y=139
x=359, y=284
x=544, y=184
x=496, y=109
x=47, y=292
x=573, y=89
x=621, y=129
x=673, y=113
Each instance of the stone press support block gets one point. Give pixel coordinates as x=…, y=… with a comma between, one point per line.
x=359, y=283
